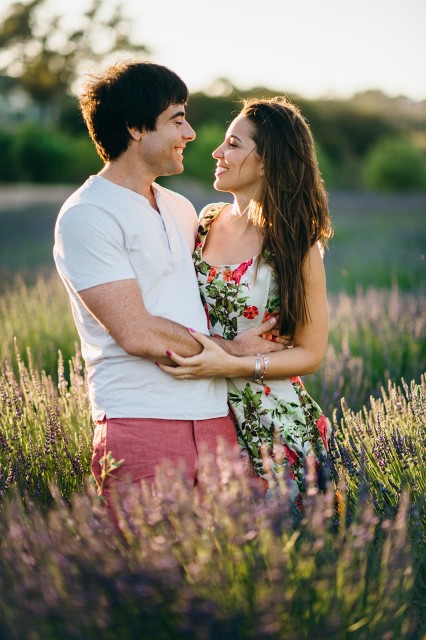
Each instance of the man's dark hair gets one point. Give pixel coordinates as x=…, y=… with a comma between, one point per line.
x=130, y=94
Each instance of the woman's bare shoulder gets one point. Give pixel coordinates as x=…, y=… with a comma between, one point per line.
x=313, y=266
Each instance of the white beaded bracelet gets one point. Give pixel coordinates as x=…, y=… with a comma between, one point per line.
x=266, y=363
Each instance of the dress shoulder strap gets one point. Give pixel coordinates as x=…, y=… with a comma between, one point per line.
x=210, y=213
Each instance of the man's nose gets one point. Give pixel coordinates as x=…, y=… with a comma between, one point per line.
x=189, y=132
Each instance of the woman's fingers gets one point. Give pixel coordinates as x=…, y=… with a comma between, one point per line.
x=179, y=373
x=180, y=360
x=211, y=362
x=201, y=338
x=174, y=357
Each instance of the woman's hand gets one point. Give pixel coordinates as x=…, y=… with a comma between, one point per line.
x=212, y=362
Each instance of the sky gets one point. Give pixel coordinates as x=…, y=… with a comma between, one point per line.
x=314, y=48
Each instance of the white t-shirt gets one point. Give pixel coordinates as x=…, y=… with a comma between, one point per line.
x=105, y=233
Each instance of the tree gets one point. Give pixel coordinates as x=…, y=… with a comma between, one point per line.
x=395, y=164
x=49, y=52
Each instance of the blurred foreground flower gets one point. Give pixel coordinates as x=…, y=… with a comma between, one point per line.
x=216, y=562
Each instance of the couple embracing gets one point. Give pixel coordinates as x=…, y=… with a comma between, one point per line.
x=178, y=359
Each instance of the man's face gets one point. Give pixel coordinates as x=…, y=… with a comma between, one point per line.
x=162, y=149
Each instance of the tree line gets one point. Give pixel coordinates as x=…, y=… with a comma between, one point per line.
x=369, y=141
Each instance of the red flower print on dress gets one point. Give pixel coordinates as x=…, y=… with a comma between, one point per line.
x=212, y=274
x=322, y=425
x=297, y=380
x=227, y=275
x=291, y=455
x=198, y=239
x=238, y=273
x=267, y=390
x=250, y=312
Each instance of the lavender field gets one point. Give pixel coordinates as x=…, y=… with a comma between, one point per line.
x=222, y=562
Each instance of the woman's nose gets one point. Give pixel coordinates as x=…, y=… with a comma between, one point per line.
x=217, y=153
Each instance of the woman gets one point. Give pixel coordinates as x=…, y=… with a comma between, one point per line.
x=262, y=256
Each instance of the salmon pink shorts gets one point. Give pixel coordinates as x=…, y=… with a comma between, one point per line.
x=143, y=443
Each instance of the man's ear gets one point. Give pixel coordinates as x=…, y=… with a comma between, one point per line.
x=135, y=133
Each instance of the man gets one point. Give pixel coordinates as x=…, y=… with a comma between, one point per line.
x=123, y=248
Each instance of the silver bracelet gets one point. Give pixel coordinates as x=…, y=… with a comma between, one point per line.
x=266, y=363
x=255, y=376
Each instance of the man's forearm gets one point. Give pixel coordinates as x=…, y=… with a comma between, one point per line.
x=120, y=310
x=159, y=335
x=233, y=347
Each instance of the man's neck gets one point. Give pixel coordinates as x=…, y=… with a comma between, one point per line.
x=124, y=173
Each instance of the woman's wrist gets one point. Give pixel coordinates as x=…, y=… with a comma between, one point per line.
x=244, y=366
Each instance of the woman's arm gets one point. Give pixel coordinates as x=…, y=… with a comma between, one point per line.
x=306, y=355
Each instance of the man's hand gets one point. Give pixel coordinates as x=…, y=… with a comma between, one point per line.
x=252, y=342
x=274, y=334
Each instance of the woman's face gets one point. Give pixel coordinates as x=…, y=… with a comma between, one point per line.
x=239, y=167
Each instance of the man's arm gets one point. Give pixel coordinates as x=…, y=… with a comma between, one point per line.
x=119, y=307
x=252, y=342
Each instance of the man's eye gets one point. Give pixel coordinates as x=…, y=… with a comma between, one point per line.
x=231, y=144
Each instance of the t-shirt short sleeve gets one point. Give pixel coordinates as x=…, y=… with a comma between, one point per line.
x=90, y=248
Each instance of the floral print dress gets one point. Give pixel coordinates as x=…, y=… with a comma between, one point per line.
x=279, y=413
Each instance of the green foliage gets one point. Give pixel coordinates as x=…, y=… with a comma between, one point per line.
x=327, y=169
x=344, y=134
x=218, y=110
x=39, y=318
x=395, y=164
x=84, y=160
x=8, y=169
x=198, y=155
x=41, y=155
x=36, y=154
x=343, y=130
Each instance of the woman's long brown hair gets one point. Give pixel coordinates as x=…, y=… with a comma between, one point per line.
x=293, y=206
